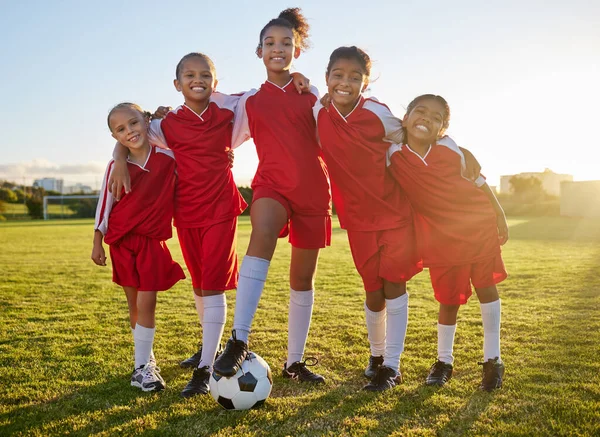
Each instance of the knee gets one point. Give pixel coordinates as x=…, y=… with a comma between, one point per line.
x=302, y=282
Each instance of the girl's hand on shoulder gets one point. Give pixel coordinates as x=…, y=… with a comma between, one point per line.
x=326, y=100
x=502, y=229
x=473, y=168
x=98, y=255
x=119, y=179
x=161, y=112
x=301, y=82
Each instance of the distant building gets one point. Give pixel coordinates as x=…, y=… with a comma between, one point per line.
x=78, y=188
x=550, y=181
x=49, y=184
x=580, y=199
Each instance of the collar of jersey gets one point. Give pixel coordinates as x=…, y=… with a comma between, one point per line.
x=194, y=112
x=361, y=99
x=279, y=87
x=143, y=167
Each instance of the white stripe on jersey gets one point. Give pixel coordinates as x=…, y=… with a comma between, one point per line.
x=105, y=202
x=241, y=128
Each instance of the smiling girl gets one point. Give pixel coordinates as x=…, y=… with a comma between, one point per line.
x=291, y=194
x=460, y=228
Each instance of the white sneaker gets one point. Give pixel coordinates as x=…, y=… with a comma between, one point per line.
x=136, y=377
x=151, y=379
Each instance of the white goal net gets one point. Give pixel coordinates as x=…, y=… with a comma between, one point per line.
x=64, y=207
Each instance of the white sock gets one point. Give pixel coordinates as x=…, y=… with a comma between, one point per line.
x=152, y=358
x=446, y=343
x=199, y=307
x=397, y=322
x=300, y=313
x=253, y=275
x=490, y=315
x=143, y=339
x=376, y=322
x=215, y=313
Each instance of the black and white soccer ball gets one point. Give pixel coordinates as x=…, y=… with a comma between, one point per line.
x=248, y=388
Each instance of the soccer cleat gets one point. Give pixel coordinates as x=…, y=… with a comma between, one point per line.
x=300, y=372
x=374, y=364
x=198, y=385
x=136, y=377
x=151, y=379
x=493, y=372
x=194, y=361
x=384, y=379
x=439, y=374
x=232, y=357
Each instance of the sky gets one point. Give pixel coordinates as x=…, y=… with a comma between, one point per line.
x=522, y=77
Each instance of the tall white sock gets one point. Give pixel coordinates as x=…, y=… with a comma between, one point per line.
x=300, y=313
x=490, y=315
x=397, y=322
x=253, y=275
x=376, y=322
x=152, y=358
x=199, y=307
x=446, y=343
x=143, y=339
x=215, y=313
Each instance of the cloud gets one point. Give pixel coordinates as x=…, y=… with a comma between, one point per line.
x=41, y=168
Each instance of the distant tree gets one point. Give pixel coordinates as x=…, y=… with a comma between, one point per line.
x=2, y=210
x=8, y=195
x=35, y=203
x=527, y=189
x=246, y=193
x=20, y=195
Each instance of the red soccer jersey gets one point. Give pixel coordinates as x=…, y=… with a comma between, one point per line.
x=281, y=123
x=206, y=192
x=365, y=195
x=148, y=209
x=455, y=220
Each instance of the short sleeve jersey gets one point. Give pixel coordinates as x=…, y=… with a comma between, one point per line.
x=148, y=209
x=280, y=122
x=365, y=195
x=206, y=191
x=455, y=220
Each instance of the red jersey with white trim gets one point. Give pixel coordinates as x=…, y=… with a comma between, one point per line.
x=281, y=124
x=365, y=195
x=455, y=220
x=206, y=192
x=148, y=209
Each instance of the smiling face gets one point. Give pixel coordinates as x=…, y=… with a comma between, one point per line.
x=346, y=80
x=425, y=122
x=278, y=49
x=196, y=80
x=129, y=127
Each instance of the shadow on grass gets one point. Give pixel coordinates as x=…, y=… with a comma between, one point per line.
x=42, y=223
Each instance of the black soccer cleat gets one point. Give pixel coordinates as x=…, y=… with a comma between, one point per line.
x=439, y=374
x=385, y=378
x=374, y=364
x=493, y=372
x=198, y=385
x=300, y=372
x=232, y=357
x=193, y=361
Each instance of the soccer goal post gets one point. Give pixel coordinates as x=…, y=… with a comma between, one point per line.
x=76, y=206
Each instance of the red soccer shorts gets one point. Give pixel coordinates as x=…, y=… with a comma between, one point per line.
x=452, y=284
x=390, y=254
x=210, y=255
x=144, y=263
x=305, y=231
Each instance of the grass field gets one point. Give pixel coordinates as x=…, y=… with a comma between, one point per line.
x=66, y=348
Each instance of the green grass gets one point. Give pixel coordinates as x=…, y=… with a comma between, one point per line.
x=66, y=349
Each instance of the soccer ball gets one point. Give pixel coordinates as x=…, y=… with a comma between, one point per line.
x=248, y=388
